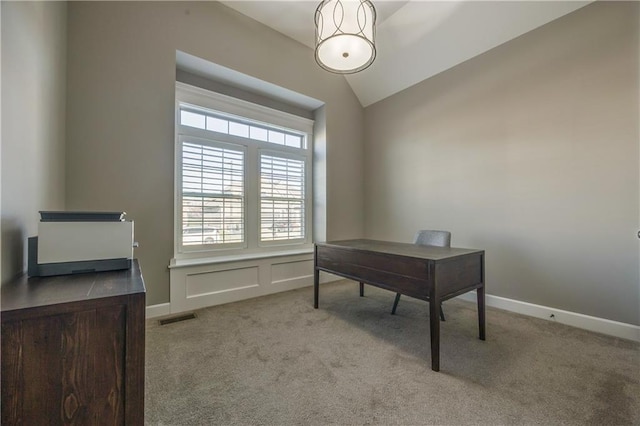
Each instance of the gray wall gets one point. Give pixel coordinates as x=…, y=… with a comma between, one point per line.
x=121, y=77
x=33, y=118
x=529, y=151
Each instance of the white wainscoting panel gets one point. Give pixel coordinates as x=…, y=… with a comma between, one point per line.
x=287, y=271
x=207, y=283
x=201, y=285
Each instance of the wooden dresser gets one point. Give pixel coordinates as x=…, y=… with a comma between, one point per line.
x=73, y=349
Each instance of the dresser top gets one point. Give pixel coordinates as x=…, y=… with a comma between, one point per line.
x=32, y=292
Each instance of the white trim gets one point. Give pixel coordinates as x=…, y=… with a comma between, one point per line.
x=183, y=263
x=199, y=286
x=586, y=322
x=199, y=97
x=158, y=310
x=233, y=78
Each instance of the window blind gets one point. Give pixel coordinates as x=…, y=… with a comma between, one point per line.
x=212, y=194
x=281, y=198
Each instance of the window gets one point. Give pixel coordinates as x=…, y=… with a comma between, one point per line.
x=243, y=176
x=281, y=198
x=237, y=127
x=212, y=194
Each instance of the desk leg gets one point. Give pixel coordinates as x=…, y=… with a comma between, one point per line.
x=434, y=328
x=481, y=314
x=316, y=287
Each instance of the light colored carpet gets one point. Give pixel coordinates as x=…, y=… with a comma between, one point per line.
x=277, y=361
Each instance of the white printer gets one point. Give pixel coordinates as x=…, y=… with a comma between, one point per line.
x=75, y=242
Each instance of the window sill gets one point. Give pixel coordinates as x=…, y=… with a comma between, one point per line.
x=183, y=263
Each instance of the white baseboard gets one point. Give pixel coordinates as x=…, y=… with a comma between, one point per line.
x=586, y=322
x=159, y=310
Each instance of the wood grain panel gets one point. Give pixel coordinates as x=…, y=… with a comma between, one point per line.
x=42, y=369
x=12, y=383
x=409, y=276
x=109, y=338
x=134, y=378
x=404, y=266
x=78, y=367
x=464, y=273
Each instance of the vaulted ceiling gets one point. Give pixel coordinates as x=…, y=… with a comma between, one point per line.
x=416, y=39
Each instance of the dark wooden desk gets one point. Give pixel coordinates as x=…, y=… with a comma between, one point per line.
x=73, y=349
x=433, y=274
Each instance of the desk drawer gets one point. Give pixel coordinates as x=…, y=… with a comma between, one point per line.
x=406, y=275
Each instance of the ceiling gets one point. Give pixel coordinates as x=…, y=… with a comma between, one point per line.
x=416, y=39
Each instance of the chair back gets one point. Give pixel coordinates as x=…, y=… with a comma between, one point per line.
x=433, y=238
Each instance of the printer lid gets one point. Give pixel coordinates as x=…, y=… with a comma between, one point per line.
x=81, y=216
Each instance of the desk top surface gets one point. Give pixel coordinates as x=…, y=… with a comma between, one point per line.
x=402, y=249
x=31, y=292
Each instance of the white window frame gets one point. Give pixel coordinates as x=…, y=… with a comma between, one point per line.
x=197, y=98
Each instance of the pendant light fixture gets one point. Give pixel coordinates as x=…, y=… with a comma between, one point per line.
x=345, y=35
